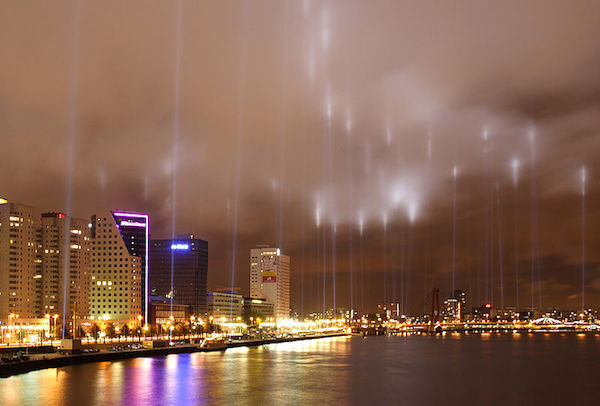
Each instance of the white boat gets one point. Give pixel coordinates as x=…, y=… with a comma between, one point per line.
x=214, y=344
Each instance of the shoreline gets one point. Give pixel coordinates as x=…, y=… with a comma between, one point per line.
x=21, y=367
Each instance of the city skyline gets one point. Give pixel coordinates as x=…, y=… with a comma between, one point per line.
x=311, y=141
x=400, y=302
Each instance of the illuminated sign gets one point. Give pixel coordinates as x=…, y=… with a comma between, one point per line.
x=129, y=223
x=269, y=276
x=180, y=246
x=3, y=201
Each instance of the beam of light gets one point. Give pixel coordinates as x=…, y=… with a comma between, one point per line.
x=385, y=260
x=454, y=174
x=514, y=165
x=328, y=104
x=485, y=135
x=350, y=199
x=318, y=214
x=325, y=33
x=500, y=255
x=74, y=51
x=305, y=7
x=311, y=63
x=367, y=157
x=388, y=133
x=534, y=224
x=583, y=180
x=412, y=209
x=240, y=132
x=398, y=194
x=531, y=135
x=486, y=222
x=176, y=101
x=333, y=266
x=429, y=144
x=361, y=223
x=515, y=173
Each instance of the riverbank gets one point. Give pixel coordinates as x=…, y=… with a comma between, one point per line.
x=57, y=360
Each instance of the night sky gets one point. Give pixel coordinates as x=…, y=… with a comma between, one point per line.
x=299, y=123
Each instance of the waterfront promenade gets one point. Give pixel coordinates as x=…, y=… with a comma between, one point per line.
x=58, y=359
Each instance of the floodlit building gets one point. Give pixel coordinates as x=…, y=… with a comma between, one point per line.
x=270, y=278
x=163, y=312
x=389, y=310
x=258, y=308
x=451, y=309
x=461, y=298
x=227, y=304
x=482, y=313
x=188, y=258
x=65, y=266
x=19, y=261
x=119, y=266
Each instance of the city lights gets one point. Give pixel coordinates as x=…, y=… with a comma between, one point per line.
x=299, y=202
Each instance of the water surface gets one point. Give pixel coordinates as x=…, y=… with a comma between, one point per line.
x=451, y=369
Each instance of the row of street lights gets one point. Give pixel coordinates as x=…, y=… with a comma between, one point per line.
x=49, y=318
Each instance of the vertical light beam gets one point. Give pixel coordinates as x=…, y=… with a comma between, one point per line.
x=583, y=180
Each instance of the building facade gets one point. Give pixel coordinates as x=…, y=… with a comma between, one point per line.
x=162, y=312
x=258, y=309
x=228, y=305
x=65, y=266
x=20, y=278
x=187, y=257
x=270, y=278
x=451, y=310
x=119, y=266
x=461, y=297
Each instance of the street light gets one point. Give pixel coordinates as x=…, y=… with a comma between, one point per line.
x=47, y=316
x=192, y=327
x=55, y=317
x=10, y=319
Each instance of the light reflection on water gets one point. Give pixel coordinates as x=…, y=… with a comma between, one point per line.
x=449, y=369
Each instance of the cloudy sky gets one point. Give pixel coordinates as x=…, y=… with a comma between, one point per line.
x=339, y=130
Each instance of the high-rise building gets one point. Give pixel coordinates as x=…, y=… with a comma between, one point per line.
x=461, y=297
x=270, y=278
x=119, y=283
x=389, y=310
x=451, y=309
x=19, y=261
x=187, y=258
x=65, y=244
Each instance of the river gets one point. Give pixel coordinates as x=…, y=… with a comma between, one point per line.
x=449, y=369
